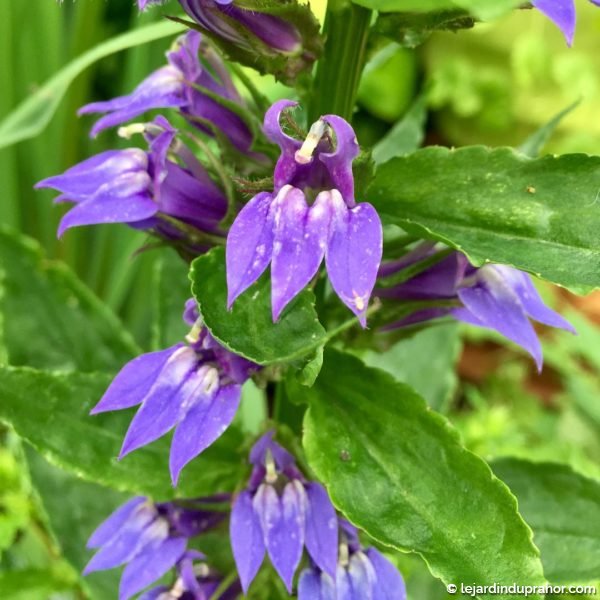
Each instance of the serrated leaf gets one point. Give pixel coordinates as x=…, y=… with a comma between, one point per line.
x=563, y=509
x=50, y=319
x=398, y=470
x=248, y=329
x=51, y=412
x=539, y=215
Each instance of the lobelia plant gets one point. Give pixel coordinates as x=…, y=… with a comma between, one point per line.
x=278, y=210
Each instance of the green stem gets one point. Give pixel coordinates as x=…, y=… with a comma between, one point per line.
x=342, y=63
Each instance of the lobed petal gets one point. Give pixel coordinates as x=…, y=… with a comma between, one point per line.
x=113, y=524
x=561, y=13
x=339, y=162
x=300, y=240
x=282, y=522
x=134, y=381
x=362, y=577
x=249, y=245
x=493, y=304
x=165, y=402
x=530, y=299
x=247, y=541
x=389, y=584
x=201, y=426
x=354, y=253
x=150, y=565
x=321, y=531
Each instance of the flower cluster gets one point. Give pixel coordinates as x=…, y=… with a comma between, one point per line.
x=262, y=520
x=194, y=388
x=361, y=573
x=291, y=233
x=152, y=190
x=151, y=539
x=494, y=296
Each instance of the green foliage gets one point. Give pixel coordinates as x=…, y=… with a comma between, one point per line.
x=410, y=483
x=498, y=206
x=248, y=329
x=559, y=505
x=51, y=320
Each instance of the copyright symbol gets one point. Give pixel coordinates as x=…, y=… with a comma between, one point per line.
x=451, y=588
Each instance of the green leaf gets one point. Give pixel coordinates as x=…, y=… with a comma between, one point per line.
x=74, y=508
x=412, y=29
x=51, y=412
x=248, y=329
x=405, y=136
x=32, y=116
x=539, y=215
x=36, y=584
x=482, y=9
x=425, y=361
x=563, y=509
x=398, y=470
x=50, y=319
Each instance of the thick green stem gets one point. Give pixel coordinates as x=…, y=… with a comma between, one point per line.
x=340, y=67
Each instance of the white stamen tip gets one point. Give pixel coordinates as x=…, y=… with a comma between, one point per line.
x=316, y=132
x=129, y=131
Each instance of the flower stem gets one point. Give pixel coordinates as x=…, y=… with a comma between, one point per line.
x=339, y=69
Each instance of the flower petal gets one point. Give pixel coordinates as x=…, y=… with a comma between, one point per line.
x=389, y=584
x=362, y=577
x=343, y=587
x=562, y=13
x=299, y=244
x=135, y=532
x=201, y=426
x=109, y=209
x=314, y=585
x=162, y=89
x=134, y=381
x=339, y=162
x=246, y=539
x=283, y=459
x=282, y=522
x=111, y=526
x=321, y=528
x=150, y=565
x=530, y=299
x=164, y=404
x=354, y=253
x=249, y=245
x=496, y=306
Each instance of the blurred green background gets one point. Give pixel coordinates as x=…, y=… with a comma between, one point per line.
x=493, y=85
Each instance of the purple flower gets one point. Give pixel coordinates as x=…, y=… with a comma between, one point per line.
x=561, y=13
x=285, y=229
x=149, y=538
x=234, y=24
x=494, y=296
x=360, y=575
x=136, y=187
x=187, y=85
x=194, y=582
x=282, y=522
x=194, y=388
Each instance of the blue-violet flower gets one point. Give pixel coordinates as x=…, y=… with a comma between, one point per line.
x=279, y=513
x=284, y=229
x=194, y=388
x=494, y=296
x=149, y=538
